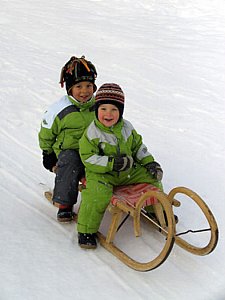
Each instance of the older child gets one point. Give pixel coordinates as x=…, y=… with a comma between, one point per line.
x=62, y=127
x=113, y=154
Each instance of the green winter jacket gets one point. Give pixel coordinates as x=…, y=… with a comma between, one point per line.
x=98, y=147
x=64, y=123
x=100, y=144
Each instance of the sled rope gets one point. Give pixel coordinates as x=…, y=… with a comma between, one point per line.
x=143, y=212
x=124, y=220
x=193, y=231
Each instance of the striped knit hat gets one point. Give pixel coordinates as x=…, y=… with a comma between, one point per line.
x=110, y=93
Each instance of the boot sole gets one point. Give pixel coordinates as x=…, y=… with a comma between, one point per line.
x=67, y=220
x=88, y=246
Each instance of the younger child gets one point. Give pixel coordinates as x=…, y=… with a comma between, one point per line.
x=113, y=154
x=62, y=127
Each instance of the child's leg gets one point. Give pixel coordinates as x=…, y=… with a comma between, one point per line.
x=69, y=171
x=139, y=174
x=95, y=199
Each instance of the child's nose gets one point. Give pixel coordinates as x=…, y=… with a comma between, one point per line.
x=83, y=90
x=109, y=113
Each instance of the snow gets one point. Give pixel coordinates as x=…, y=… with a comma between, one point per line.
x=169, y=58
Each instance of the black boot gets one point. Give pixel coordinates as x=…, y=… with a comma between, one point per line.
x=65, y=214
x=87, y=240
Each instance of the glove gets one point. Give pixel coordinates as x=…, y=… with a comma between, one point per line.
x=49, y=160
x=155, y=170
x=122, y=163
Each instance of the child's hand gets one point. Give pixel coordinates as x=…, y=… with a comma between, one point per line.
x=122, y=163
x=155, y=170
x=54, y=169
x=49, y=160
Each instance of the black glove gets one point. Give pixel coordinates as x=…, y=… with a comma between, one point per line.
x=49, y=160
x=122, y=163
x=155, y=170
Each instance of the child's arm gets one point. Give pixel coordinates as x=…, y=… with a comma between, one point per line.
x=94, y=159
x=143, y=156
x=48, y=132
x=47, y=138
x=89, y=153
x=46, y=141
x=146, y=158
x=140, y=150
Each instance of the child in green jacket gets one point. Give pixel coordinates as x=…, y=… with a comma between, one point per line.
x=62, y=126
x=113, y=154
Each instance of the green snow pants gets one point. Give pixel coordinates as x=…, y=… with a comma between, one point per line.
x=98, y=192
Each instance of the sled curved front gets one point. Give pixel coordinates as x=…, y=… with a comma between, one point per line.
x=107, y=242
x=209, y=216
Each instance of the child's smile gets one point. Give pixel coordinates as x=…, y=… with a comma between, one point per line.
x=83, y=91
x=108, y=114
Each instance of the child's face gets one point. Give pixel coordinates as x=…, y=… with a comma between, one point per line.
x=82, y=91
x=108, y=114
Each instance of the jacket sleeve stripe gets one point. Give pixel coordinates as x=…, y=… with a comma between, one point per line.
x=97, y=160
x=142, y=152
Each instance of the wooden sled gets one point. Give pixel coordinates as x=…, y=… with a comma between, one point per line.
x=123, y=202
x=131, y=200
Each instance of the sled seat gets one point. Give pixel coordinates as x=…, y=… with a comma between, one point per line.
x=130, y=194
x=129, y=199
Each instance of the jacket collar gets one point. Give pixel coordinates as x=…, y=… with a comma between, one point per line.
x=116, y=129
x=82, y=106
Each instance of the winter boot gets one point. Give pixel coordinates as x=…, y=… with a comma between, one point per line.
x=65, y=214
x=87, y=240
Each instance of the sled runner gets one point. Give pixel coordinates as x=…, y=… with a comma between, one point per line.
x=132, y=200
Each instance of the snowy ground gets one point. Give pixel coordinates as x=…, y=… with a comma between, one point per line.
x=169, y=57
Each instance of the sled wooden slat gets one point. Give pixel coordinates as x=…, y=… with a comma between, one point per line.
x=116, y=218
x=209, y=216
x=48, y=196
